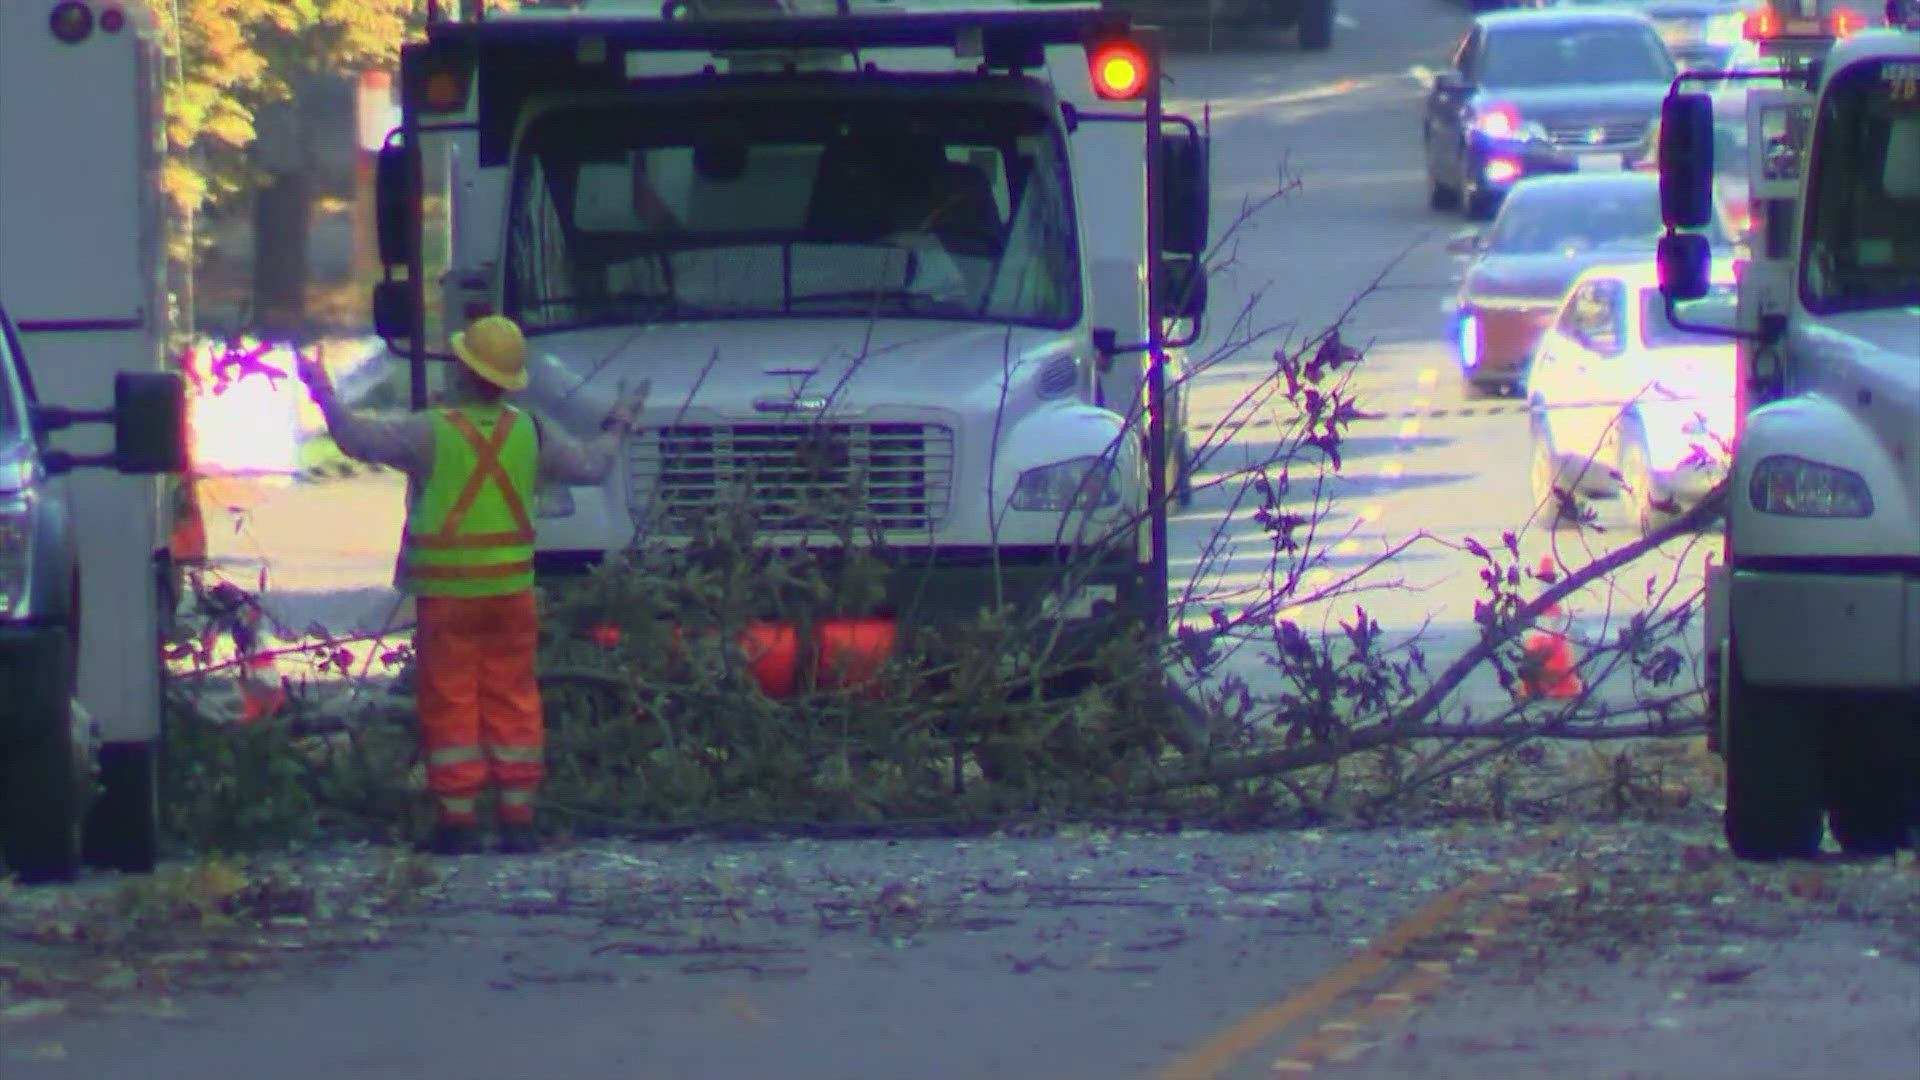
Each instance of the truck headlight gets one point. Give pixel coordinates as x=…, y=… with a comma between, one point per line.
x=1082, y=483
x=1795, y=487
x=16, y=545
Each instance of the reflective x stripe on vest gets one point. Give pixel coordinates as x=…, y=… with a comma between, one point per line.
x=468, y=530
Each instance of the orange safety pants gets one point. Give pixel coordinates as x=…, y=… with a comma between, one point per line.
x=479, y=703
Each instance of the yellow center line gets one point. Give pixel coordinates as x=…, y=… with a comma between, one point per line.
x=1224, y=1049
x=1422, y=984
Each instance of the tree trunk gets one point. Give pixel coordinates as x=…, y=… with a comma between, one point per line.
x=281, y=212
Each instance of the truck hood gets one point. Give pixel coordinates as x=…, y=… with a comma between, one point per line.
x=754, y=368
x=1870, y=355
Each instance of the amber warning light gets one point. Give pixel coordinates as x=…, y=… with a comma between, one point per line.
x=1119, y=70
x=1765, y=24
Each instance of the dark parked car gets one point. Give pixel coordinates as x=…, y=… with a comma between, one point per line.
x=1549, y=230
x=1535, y=92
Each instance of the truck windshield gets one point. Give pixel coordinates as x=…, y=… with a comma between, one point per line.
x=830, y=206
x=1862, y=242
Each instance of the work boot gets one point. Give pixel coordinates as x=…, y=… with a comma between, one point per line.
x=452, y=840
x=519, y=839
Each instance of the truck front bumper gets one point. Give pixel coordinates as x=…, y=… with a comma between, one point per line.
x=1073, y=612
x=1812, y=630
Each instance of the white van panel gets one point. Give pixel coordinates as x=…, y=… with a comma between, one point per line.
x=76, y=177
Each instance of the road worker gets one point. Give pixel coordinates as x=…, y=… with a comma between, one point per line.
x=466, y=558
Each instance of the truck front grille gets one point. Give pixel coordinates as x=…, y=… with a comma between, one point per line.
x=795, y=477
x=1616, y=131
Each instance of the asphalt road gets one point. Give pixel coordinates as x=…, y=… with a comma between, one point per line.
x=1376, y=954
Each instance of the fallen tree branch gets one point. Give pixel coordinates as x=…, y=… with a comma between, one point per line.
x=305, y=649
x=1380, y=735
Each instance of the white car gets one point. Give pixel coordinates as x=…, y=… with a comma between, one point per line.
x=1624, y=403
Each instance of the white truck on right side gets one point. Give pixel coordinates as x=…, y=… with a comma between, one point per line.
x=1813, y=613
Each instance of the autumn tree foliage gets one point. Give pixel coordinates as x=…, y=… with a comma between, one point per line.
x=229, y=60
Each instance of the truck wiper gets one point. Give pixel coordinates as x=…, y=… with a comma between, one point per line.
x=622, y=308
x=917, y=302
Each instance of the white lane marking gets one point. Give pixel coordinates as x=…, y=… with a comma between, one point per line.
x=1408, y=429
x=1345, y=22
x=1392, y=470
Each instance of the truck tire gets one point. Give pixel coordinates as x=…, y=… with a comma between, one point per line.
x=1773, y=770
x=1867, y=785
x=45, y=782
x=1314, y=20
x=123, y=828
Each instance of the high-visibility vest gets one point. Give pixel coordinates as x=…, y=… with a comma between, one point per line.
x=468, y=530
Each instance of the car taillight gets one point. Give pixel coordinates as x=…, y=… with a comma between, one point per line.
x=1498, y=121
x=1846, y=22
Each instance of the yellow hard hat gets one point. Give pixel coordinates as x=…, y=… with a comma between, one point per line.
x=493, y=349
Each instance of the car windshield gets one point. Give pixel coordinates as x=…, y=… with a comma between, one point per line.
x=823, y=206
x=1715, y=309
x=1555, y=55
x=1547, y=218
x=1862, y=246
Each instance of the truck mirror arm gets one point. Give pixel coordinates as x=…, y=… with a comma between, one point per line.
x=48, y=418
x=60, y=462
x=1729, y=332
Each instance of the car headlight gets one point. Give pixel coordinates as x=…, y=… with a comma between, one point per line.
x=1470, y=339
x=553, y=501
x=1082, y=483
x=1795, y=487
x=16, y=547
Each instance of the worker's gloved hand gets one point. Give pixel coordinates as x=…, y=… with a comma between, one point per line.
x=314, y=373
x=626, y=410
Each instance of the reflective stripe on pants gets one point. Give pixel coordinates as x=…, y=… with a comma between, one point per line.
x=516, y=805
x=478, y=700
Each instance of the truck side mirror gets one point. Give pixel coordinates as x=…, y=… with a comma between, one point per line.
x=1185, y=193
x=393, y=206
x=1183, y=288
x=1685, y=262
x=1686, y=160
x=149, y=422
x=393, y=314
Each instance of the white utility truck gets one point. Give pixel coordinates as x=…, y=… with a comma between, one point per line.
x=1813, y=628
x=82, y=554
x=903, y=248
